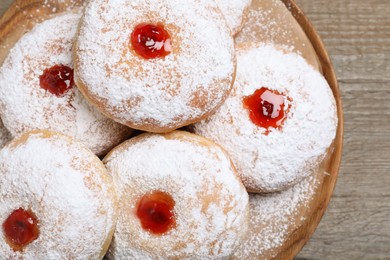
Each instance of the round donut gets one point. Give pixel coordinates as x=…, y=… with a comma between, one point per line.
x=57, y=200
x=5, y=135
x=278, y=121
x=234, y=12
x=179, y=198
x=154, y=65
x=37, y=89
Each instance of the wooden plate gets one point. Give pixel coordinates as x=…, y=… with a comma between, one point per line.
x=24, y=14
x=332, y=163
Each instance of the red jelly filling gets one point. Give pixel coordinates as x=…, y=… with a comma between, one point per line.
x=20, y=228
x=266, y=108
x=57, y=79
x=151, y=41
x=155, y=211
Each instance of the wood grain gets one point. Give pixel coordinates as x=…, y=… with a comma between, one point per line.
x=299, y=234
x=301, y=227
x=357, y=36
x=4, y=4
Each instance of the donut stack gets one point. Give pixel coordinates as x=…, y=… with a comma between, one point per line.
x=253, y=117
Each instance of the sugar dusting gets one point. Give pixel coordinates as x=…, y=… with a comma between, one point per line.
x=234, y=11
x=26, y=106
x=162, y=92
x=262, y=206
x=282, y=158
x=64, y=185
x=211, y=203
x=268, y=21
x=272, y=218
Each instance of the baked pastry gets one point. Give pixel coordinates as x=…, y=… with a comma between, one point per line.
x=234, y=12
x=57, y=200
x=5, y=135
x=274, y=217
x=278, y=121
x=37, y=89
x=179, y=198
x=147, y=64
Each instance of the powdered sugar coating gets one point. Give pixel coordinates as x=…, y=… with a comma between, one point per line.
x=210, y=201
x=268, y=163
x=269, y=21
x=68, y=189
x=274, y=216
x=5, y=135
x=234, y=11
x=25, y=106
x=158, y=94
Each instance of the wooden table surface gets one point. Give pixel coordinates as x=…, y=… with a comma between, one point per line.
x=357, y=36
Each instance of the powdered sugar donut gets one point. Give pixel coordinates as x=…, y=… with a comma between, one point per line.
x=154, y=65
x=234, y=12
x=57, y=200
x=5, y=136
x=37, y=89
x=179, y=198
x=279, y=120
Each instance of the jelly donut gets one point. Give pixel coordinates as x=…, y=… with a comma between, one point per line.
x=5, y=135
x=179, y=198
x=234, y=12
x=37, y=89
x=57, y=200
x=154, y=65
x=279, y=119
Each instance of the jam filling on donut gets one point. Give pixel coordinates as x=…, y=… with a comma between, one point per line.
x=266, y=108
x=151, y=41
x=20, y=229
x=155, y=211
x=57, y=79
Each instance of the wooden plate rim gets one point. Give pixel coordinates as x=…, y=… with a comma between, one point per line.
x=302, y=234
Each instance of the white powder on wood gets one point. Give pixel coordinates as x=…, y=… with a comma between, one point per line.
x=273, y=217
x=234, y=12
